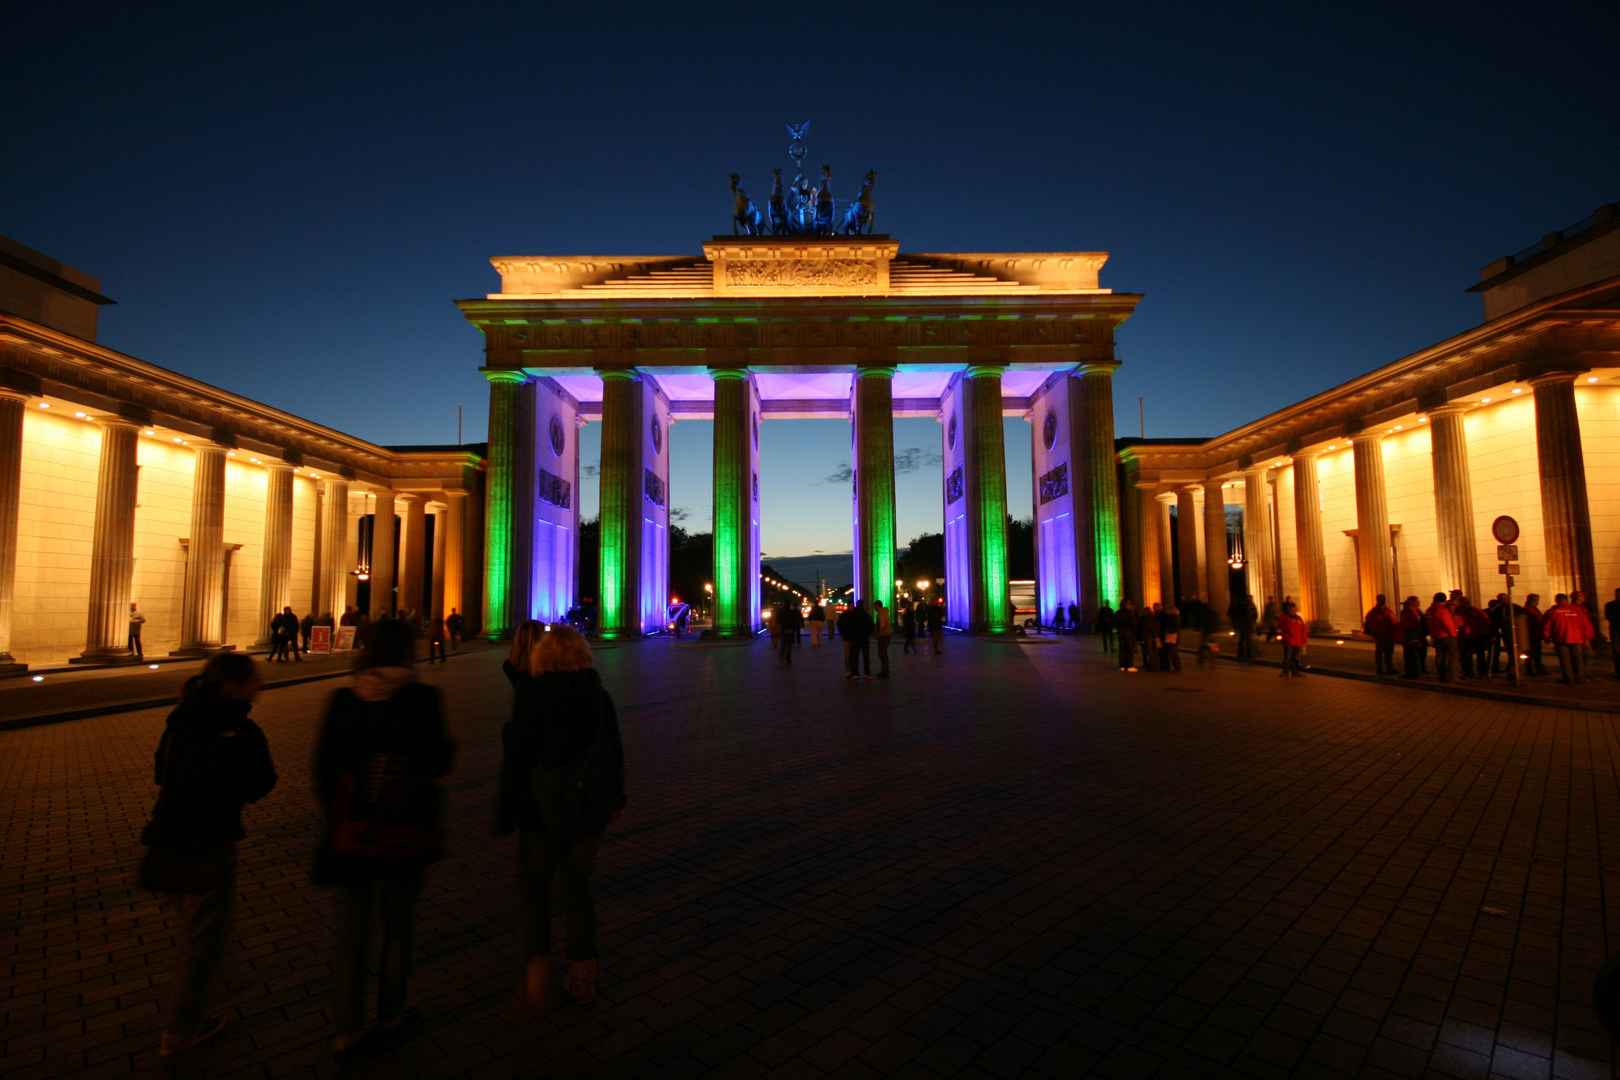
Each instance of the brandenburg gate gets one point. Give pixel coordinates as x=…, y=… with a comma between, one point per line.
x=763, y=328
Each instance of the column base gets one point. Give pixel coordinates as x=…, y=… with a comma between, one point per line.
x=11, y=669
x=106, y=656
x=617, y=635
x=198, y=651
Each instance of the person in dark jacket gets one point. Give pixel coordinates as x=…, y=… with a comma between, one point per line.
x=1147, y=635
x=524, y=639
x=1245, y=619
x=789, y=622
x=435, y=638
x=1126, y=621
x=1105, y=626
x=382, y=746
x=856, y=626
x=1379, y=624
x=1169, y=638
x=1535, y=632
x=560, y=711
x=1414, y=638
x=211, y=760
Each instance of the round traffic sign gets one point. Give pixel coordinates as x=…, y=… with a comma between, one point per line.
x=1505, y=529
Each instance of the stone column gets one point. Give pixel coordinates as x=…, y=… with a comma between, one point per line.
x=1217, y=553
x=874, y=485
x=620, y=501
x=352, y=555
x=1313, y=584
x=1147, y=556
x=499, y=501
x=382, y=555
x=1187, y=583
x=436, y=600
x=733, y=506
x=12, y=405
x=1374, y=564
x=1260, y=561
x=334, y=537
x=1566, y=519
x=200, y=630
x=1096, y=502
x=1167, y=551
x=112, y=553
x=275, y=569
x=454, y=523
x=413, y=553
x=1453, y=502
x=986, y=489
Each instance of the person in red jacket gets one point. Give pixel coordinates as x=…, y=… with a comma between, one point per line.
x=1291, y=628
x=1442, y=627
x=1379, y=623
x=1567, y=627
x=1414, y=639
x=1473, y=636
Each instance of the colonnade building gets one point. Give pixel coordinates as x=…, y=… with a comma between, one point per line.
x=760, y=329
x=1389, y=483
x=121, y=481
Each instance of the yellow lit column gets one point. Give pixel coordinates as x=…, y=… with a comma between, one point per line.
x=1374, y=560
x=200, y=631
x=334, y=581
x=1167, y=552
x=436, y=608
x=12, y=404
x=1566, y=518
x=112, y=553
x=1453, y=502
x=275, y=569
x=412, y=554
x=382, y=555
x=351, y=552
x=1259, y=560
x=454, y=521
x=1217, y=553
x=1313, y=585
x=1187, y=584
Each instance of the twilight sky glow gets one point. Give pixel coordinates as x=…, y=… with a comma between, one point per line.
x=285, y=198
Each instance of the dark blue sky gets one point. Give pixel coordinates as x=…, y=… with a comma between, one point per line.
x=284, y=199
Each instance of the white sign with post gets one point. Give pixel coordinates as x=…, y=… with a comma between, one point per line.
x=1506, y=531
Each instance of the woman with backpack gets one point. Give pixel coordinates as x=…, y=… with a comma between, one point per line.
x=562, y=784
x=383, y=745
x=210, y=761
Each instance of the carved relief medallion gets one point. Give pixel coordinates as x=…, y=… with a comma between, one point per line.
x=557, y=435
x=1049, y=429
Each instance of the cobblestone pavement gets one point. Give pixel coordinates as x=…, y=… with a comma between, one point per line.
x=1011, y=860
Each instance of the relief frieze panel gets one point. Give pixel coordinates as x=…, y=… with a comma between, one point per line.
x=801, y=273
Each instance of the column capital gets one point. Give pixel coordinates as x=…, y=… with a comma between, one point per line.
x=727, y=373
x=875, y=371
x=1551, y=378
x=277, y=466
x=505, y=375
x=1308, y=453
x=618, y=374
x=1374, y=437
x=1096, y=367
x=1257, y=471
x=1449, y=408
x=111, y=420
x=982, y=370
x=8, y=394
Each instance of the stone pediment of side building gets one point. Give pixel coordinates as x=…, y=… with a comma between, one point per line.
x=801, y=313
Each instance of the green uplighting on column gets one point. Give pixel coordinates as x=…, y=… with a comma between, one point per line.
x=874, y=476
x=498, y=499
x=1101, y=574
x=620, y=504
x=733, y=495
x=988, y=610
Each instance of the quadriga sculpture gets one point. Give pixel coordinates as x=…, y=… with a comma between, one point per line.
x=824, y=203
x=745, y=216
x=860, y=216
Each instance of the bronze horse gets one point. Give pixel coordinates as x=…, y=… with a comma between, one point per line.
x=860, y=217
x=778, y=208
x=745, y=216
x=824, y=203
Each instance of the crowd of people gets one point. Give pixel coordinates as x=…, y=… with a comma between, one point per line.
x=860, y=626
x=382, y=750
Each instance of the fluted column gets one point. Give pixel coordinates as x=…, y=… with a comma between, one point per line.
x=1375, y=566
x=413, y=552
x=874, y=485
x=454, y=523
x=1096, y=504
x=382, y=555
x=200, y=615
x=436, y=600
x=275, y=569
x=986, y=484
x=1187, y=583
x=733, y=523
x=1217, y=553
x=1167, y=550
x=112, y=553
x=1566, y=518
x=352, y=553
x=1147, y=556
x=1453, y=502
x=12, y=405
x=1260, y=561
x=620, y=498
x=334, y=540
x=1313, y=587
x=499, y=502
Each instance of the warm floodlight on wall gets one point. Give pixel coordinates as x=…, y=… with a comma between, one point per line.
x=1591, y=378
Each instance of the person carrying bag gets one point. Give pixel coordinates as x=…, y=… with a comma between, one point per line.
x=562, y=784
x=211, y=760
x=383, y=747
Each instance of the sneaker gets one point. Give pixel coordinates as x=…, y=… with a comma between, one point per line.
x=581, y=984
x=179, y=1042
